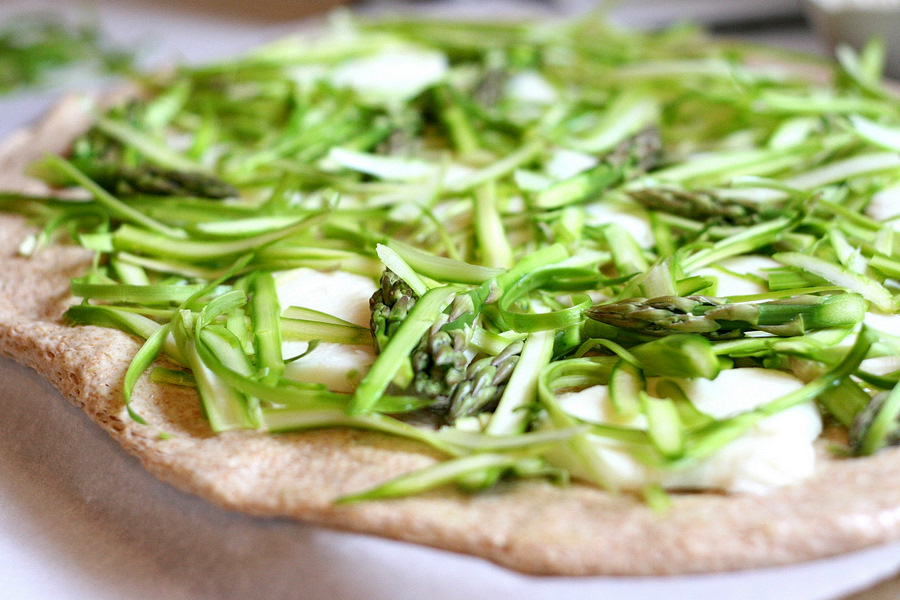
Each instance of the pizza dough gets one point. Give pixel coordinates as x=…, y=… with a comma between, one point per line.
x=530, y=526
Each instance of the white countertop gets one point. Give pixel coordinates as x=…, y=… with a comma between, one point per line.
x=80, y=519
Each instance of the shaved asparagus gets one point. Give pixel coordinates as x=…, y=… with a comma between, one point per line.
x=541, y=209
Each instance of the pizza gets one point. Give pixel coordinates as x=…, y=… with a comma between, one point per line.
x=572, y=299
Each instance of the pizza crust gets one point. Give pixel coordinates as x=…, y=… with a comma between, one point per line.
x=530, y=526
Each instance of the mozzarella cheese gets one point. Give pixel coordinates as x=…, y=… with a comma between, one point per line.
x=885, y=207
x=531, y=87
x=730, y=282
x=394, y=75
x=342, y=295
x=628, y=216
x=776, y=451
x=889, y=324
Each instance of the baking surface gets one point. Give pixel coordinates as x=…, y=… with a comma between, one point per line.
x=96, y=516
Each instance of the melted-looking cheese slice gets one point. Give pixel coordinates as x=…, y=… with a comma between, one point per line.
x=343, y=295
x=776, y=451
x=728, y=273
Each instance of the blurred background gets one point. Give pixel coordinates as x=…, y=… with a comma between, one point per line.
x=159, y=32
x=647, y=12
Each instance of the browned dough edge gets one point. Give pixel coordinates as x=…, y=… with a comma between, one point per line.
x=533, y=526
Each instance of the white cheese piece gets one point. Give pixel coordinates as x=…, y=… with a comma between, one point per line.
x=393, y=75
x=343, y=295
x=386, y=168
x=776, y=451
x=889, y=324
x=631, y=218
x=885, y=205
x=568, y=163
x=730, y=282
x=530, y=87
x=393, y=168
x=530, y=181
x=339, y=367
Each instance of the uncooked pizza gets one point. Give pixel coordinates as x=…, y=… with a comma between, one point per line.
x=575, y=299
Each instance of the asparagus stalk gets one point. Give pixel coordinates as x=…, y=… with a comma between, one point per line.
x=156, y=181
x=716, y=318
x=704, y=205
x=878, y=425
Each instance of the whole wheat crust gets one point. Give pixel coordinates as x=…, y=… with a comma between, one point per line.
x=532, y=526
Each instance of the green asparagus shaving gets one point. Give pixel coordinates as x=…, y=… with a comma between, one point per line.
x=749, y=240
x=804, y=104
x=444, y=473
x=137, y=240
x=579, y=188
x=499, y=168
x=867, y=287
x=222, y=305
x=789, y=279
x=227, y=349
x=663, y=425
x=395, y=263
x=430, y=265
x=754, y=161
x=172, y=377
x=554, y=320
x=845, y=169
x=657, y=498
x=627, y=115
x=302, y=330
x=876, y=133
x=626, y=383
x=420, y=318
x=264, y=314
x=579, y=447
x=684, y=356
x=303, y=313
x=510, y=416
x=140, y=294
x=626, y=253
x=116, y=207
x=159, y=154
x=225, y=408
x=865, y=68
x=280, y=419
x=488, y=442
x=845, y=401
x=141, y=362
x=489, y=230
x=690, y=416
x=877, y=425
x=249, y=226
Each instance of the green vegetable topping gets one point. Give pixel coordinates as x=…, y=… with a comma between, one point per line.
x=540, y=209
